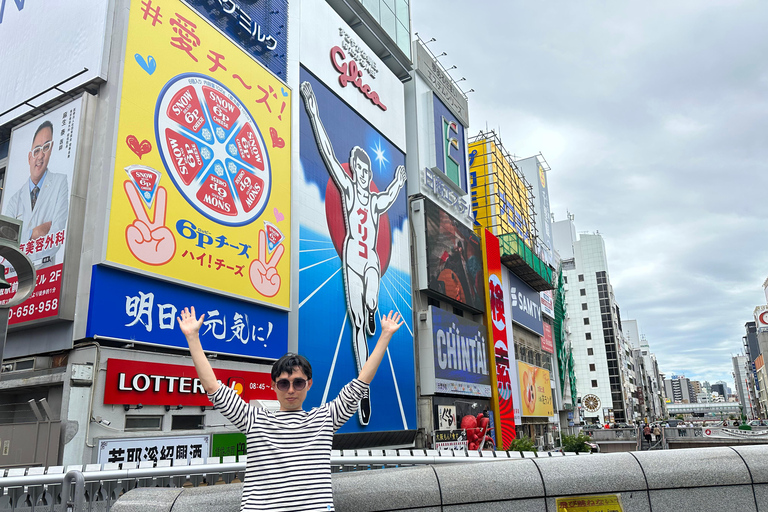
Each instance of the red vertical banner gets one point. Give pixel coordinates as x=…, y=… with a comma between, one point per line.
x=504, y=416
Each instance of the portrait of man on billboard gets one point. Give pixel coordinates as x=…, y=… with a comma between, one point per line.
x=42, y=201
x=362, y=209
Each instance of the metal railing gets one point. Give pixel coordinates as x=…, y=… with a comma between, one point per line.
x=39, y=489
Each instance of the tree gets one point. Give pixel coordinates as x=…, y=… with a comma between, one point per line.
x=578, y=443
x=522, y=444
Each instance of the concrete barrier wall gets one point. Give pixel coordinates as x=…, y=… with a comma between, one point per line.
x=695, y=480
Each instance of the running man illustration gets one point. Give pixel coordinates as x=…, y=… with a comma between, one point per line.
x=362, y=210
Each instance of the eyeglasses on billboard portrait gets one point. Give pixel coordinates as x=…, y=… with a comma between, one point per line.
x=42, y=148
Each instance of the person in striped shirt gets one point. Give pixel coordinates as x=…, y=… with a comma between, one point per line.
x=289, y=450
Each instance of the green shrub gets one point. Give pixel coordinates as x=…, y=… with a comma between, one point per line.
x=577, y=443
x=522, y=444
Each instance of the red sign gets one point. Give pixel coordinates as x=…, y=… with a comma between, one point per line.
x=44, y=301
x=140, y=382
x=496, y=321
x=547, y=344
x=350, y=73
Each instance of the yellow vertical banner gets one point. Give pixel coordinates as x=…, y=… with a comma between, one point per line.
x=201, y=190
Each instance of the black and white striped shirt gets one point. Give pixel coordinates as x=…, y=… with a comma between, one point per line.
x=289, y=452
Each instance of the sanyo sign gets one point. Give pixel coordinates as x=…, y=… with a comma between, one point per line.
x=526, y=304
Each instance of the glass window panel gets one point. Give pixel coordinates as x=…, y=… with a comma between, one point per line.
x=402, y=11
x=404, y=39
x=388, y=22
x=373, y=7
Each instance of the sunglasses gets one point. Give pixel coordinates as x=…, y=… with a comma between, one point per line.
x=43, y=148
x=285, y=384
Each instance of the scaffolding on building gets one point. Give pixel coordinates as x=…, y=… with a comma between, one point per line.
x=503, y=203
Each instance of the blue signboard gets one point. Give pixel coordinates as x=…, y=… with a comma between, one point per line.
x=132, y=307
x=259, y=28
x=450, y=150
x=526, y=305
x=460, y=349
x=354, y=261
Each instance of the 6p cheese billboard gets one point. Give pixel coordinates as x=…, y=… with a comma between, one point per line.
x=201, y=188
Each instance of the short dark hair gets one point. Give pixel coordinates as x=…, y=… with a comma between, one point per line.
x=360, y=154
x=288, y=362
x=43, y=126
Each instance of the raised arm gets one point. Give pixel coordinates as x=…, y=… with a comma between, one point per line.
x=387, y=198
x=341, y=178
x=190, y=326
x=389, y=326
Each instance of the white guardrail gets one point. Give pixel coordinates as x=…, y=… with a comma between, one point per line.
x=42, y=489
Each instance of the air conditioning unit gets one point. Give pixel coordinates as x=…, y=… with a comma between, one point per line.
x=550, y=439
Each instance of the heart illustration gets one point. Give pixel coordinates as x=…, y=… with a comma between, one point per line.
x=149, y=65
x=279, y=217
x=277, y=142
x=140, y=148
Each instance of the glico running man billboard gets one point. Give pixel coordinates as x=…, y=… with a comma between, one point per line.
x=353, y=247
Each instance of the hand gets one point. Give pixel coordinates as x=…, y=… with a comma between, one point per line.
x=391, y=323
x=41, y=230
x=149, y=242
x=401, y=175
x=263, y=271
x=309, y=98
x=190, y=325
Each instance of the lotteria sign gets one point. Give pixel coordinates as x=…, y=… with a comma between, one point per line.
x=141, y=382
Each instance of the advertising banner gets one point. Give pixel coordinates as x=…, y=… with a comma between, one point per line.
x=536, y=390
x=38, y=181
x=354, y=258
x=504, y=411
x=260, y=28
x=460, y=355
x=547, y=343
x=590, y=503
x=450, y=440
x=526, y=304
x=341, y=60
x=548, y=304
x=446, y=417
x=228, y=445
x=45, y=46
x=535, y=175
x=202, y=183
x=734, y=433
x=142, y=382
x=454, y=258
x=513, y=380
x=450, y=145
x=132, y=307
x=142, y=449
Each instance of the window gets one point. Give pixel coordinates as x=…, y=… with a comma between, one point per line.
x=581, y=278
x=590, y=351
x=588, y=336
x=458, y=312
x=584, y=307
x=592, y=367
x=583, y=292
x=433, y=302
x=565, y=279
x=143, y=422
x=586, y=321
x=594, y=383
x=187, y=422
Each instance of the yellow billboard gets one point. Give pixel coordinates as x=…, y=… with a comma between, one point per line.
x=500, y=199
x=201, y=189
x=535, y=389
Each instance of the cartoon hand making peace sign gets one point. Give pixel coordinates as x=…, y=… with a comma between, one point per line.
x=149, y=242
x=263, y=272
